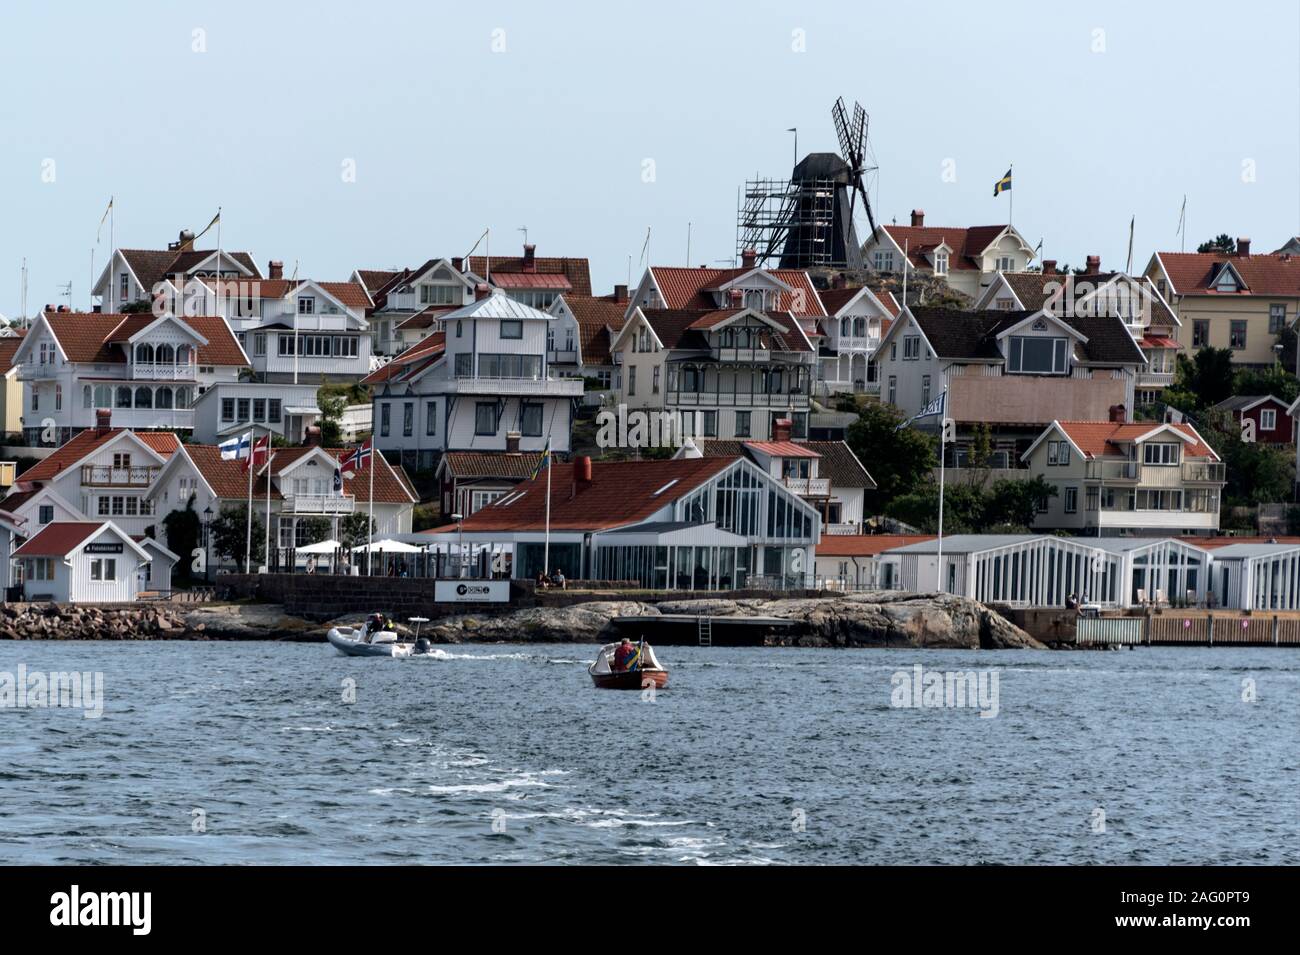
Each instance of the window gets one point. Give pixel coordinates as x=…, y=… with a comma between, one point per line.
x=58, y=397
x=273, y=410
x=1200, y=333
x=512, y=328
x=1058, y=453
x=485, y=418
x=103, y=568
x=87, y=397
x=911, y=347
x=654, y=381
x=893, y=350
x=408, y=418
x=1071, y=500
x=460, y=327
x=431, y=418
x=1006, y=263
x=385, y=419
x=46, y=514
x=465, y=365
x=259, y=344
x=437, y=295
x=530, y=421
x=122, y=399
x=121, y=461
x=125, y=288
x=245, y=406
x=709, y=424
x=1276, y=318
x=36, y=399
x=1036, y=356
x=893, y=389
x=941, y=262
x=884, y=261
x=259, y=409
x=1237, y=335
x=306, y=305
x=1163, y=454
x=631, y=380
x=742, y=424
x=925, y=389
x=1267, y=419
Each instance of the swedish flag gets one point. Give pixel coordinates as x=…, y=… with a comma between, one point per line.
x=1002, y=185
x=543, y=463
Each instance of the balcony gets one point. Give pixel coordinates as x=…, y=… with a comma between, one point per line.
x=561, y=356
x=856, y=343
x=710, y=399
x=40, y=371
x=163, y=371
x=733, y=354
x=1189, y=472
x=540, y=387
x=808, y=487
x=325, y=504
x=1155, y=379
x=94, y=475
x=841, y=529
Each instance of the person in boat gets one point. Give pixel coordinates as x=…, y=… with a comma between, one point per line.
x=626, y=656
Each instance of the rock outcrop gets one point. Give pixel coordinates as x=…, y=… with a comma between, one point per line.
x=88, y=622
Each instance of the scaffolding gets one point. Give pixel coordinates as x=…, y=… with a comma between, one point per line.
x=791, y=220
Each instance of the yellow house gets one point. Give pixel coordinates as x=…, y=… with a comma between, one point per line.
x=11, y=395
x=1239, y=301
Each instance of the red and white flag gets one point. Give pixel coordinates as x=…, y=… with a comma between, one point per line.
x=358, y=459
x=261, y=451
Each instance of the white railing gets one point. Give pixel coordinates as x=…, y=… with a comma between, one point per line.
x=558, y=387
x=93, y=475
x=818, y=487
x=146, y=371
x=319, y=504
x=841, y=529
x=706, y=399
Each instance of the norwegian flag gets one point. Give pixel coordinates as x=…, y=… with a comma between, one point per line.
x=358, y=459
x=261, y=451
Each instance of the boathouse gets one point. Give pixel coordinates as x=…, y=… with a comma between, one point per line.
x=82, y=562
x=1257, y=576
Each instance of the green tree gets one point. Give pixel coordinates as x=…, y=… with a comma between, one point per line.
x=981, y=446
x=1202, y=381
x=312, y=530
x=898, y=460
x=332, y=404
x=1014, y=503
x=229, y=532
x=1274, y=380
x=355, y=529
x=1223, y=244
x=1007, y=505
x=183, y=529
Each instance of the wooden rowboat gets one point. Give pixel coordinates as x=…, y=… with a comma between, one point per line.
x=649, y=673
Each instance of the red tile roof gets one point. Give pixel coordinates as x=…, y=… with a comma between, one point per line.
x=966, y=244
x=600, y=319
x=351, y=294
x=82, y=444
x=834, y=299
x=865, y=545
x=1095, y=438
x=621, y=493
x=58, y=539
x=542, y=280
x=1211, y=543
x=487, y=464
x=419, y=356
x=95, y=337
x=689, y=288
x=577, y=271
x=228, y=478
x=783, y=449
x=17, y=499
x=9, y=345
x=1193, y=273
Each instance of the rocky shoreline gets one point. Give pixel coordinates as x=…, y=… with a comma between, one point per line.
x=883, y=619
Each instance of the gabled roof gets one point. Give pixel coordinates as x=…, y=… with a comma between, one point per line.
x=865, y=545
x=576, y=271
x=967, y=244
x=686, y=288
x=621, y=493
x=599, y=319
x=835, y=299
x=375, y=279
x=838, y=462
x=1106, y=438
x=412, y=361
x=61, y=538
x=94, y=337
x=973, y=336
x=486, y=464
x=1036, y=290
x=1246, y=402
x=162, y=443
x=349, y=294
x=8, y=347
x=229, y=480
x=151, y=266
x=683, y=328
x=1194, y=273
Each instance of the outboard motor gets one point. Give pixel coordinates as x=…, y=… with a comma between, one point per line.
x=422, y=645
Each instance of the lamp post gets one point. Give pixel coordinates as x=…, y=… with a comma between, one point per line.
x=207, y=541
x=460, y=543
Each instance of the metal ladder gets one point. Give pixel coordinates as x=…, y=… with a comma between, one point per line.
x=704, y=626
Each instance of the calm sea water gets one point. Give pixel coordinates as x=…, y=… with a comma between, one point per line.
x=507, y=754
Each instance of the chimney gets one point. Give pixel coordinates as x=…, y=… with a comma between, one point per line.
x=458, y=264
x=481, y=291
x=1118, y=414
x=530, y=258
x=275, y=269
x=184, y=241
x=512, y=442
x=581, y=473
x=620, y=293
x=747, y=258
x=781, y=429
x=103, y=420
x=1049, y=266
x=97, y=309
x=1093, y=265
x=918, y=218
x=1243, y=246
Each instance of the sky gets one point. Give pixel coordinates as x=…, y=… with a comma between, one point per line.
x=343, y=135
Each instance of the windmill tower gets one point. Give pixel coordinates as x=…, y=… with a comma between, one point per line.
x=806, y=221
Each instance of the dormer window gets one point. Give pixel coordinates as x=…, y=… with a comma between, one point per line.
x=1226, y=282
x=1006, y=263
x=941, y=262
x=1036, y=356
x=755, y=299
x=306, y=305
x=437, y=295
x=1162, y=454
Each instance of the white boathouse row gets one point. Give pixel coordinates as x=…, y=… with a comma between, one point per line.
x=1039, y=570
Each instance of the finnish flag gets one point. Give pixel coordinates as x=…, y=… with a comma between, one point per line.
x=236, y=447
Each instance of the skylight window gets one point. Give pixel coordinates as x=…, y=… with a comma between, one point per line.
x=665, y=487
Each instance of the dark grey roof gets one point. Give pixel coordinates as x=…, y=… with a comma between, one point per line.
x=837, y=462
x=1237, y=402
x=972, y=336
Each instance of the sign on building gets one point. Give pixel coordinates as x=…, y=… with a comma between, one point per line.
x=471, y=591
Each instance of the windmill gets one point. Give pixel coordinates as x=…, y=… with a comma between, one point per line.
x=806, y=221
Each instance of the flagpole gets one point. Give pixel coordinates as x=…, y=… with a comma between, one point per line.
x=269, y=458
x=938, y=573
x=248, y=542
x=370, y=525
x=1011, y=206
x=546, y=546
